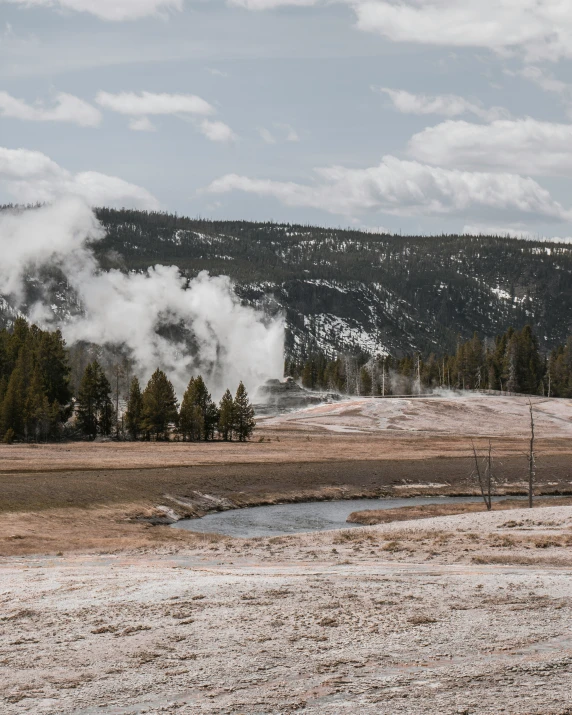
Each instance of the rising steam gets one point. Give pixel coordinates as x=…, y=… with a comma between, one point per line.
x=159, y=317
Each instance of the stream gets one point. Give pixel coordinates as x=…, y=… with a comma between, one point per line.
x=280, y=519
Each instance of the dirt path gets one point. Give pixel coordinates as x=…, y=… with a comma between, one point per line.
x=405, y=618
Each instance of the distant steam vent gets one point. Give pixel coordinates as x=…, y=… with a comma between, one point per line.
x=286, y=395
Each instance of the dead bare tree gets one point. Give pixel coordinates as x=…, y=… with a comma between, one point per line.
x=484, y=475
x=531, y=457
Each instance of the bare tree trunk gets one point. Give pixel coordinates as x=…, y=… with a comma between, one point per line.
x=490, y=476
x=531, y=458
x=485, y=493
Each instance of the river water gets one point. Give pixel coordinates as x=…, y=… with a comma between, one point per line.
x=283, y=519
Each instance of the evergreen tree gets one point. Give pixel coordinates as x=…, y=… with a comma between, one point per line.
x=95, y=409
x=37, y=412
x=12, y=413
x=134, y=413
x=199, y=414
x=87, y=403
x=207, y=407
x=191, y=420
x=159, y=406
x=226, y=416
x=20, y=334
x=34, y=393
x=244, y=423
x=54, y=368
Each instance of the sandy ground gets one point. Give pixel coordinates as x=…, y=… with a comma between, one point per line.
x=459, y=614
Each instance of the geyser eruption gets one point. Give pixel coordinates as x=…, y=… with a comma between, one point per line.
x=160, y=317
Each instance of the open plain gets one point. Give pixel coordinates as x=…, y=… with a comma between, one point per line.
x=102, y=611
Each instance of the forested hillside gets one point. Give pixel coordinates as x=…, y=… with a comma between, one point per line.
x=349, y=291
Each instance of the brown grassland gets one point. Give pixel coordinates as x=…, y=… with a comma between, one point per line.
x=57, y=497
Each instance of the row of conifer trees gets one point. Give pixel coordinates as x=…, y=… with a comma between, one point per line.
x=35, y=395
x=512, y=362
x=154, y=413
x=37, y=404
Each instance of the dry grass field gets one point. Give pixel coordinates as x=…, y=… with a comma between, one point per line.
x=359, y=429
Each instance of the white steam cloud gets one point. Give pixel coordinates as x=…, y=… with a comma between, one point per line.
x=230, y=341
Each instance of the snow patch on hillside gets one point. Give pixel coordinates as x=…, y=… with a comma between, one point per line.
x=332, y=331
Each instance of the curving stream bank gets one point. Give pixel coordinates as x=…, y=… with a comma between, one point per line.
x=282, y=519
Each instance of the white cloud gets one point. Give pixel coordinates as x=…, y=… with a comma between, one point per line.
x=145, y=103
x=217, y=131
x=520, y=146
x=540, y=28
x=66, y=108
x=270, y=4
x=30, y=177
x=216, y=72
x=185, y=106
x=547, y=82
x=289, y=134
x=142, y=124
x=447, y=105
x=113, y=10
x=544, y=79
x=407, y=188
x=266, y=135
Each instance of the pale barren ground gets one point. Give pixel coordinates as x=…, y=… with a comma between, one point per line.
x=466, y=415
x=461, y=614
x=361, y=429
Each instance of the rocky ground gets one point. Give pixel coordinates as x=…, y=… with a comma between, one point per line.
x=460, y=614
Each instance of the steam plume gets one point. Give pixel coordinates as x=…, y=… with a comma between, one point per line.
x=161, y=318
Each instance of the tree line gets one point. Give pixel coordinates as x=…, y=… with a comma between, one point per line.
x=512, y=362
x=436, y=287
x=35, y=397
x=38, y=404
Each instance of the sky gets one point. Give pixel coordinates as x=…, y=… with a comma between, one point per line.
x=419, y=116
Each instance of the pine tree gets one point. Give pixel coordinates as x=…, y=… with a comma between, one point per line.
x=134, y=413
x=87, y=403
x=54, y=368
x=191, y=420
x=226, y=416
x=36, y=420
x=159, y=406
x=200, y=423
x=13, y=414
x=207, y=407
x=244, y=423
x=95, y=409
x=20, y=335
x=105, y=410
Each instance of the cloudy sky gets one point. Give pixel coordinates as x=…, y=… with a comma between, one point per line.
x=424, y=116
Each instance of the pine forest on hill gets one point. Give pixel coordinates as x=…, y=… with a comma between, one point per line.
x=346, y=291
